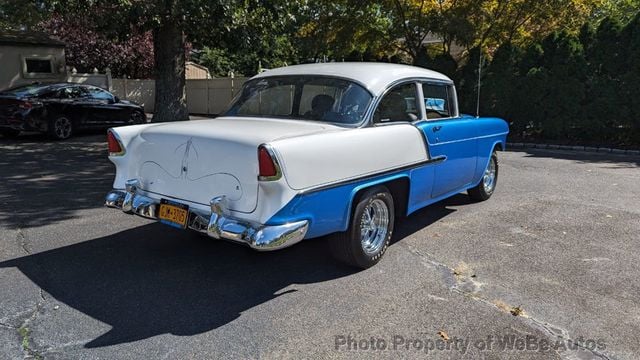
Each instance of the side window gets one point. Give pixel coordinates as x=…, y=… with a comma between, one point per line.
x=72, y=92
x=99, y=94
x=438, y=101
x=399, y=104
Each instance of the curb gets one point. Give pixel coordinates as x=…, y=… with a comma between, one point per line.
x=589, y=149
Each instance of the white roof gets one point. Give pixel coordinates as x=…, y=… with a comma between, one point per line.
x=376, y=77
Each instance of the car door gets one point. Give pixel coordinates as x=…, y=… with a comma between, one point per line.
x=103, y=110
x=72, y=101
x=449, y=136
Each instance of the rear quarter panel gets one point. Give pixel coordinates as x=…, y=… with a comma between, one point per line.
x=331, y=157
x=492, y=132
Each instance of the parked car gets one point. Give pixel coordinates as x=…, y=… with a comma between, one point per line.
x=62, y=108
x=304, y=151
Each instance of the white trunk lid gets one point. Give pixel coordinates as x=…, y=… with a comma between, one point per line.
x=198, y=160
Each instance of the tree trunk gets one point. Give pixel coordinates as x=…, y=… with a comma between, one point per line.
x=171, y=95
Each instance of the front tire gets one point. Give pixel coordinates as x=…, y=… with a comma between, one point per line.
x=487, y=185
x=60, y=128
x=370, y=230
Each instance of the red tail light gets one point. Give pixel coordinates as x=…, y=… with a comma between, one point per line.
x=115, y=146
x=268, y=167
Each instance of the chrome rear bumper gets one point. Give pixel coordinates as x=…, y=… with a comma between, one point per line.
x=217, y=223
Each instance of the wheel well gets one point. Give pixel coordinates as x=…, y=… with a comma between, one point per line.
x=399, y=189
x=498, y=147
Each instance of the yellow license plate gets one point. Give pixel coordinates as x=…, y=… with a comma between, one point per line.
x=173, y=214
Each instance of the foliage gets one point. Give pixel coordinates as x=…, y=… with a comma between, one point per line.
x=87, y=49
x=568, y=88
x=22, y=14
x=259, y=37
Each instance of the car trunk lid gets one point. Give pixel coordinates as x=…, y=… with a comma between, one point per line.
x=198, y=160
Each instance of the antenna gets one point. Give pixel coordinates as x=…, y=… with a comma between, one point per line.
x=479, y=83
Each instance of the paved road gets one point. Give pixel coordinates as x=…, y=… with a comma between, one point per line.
x=559, y=240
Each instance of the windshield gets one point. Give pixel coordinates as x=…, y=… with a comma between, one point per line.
x=312, y=98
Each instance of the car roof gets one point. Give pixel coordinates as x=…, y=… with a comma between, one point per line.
x=376, y=77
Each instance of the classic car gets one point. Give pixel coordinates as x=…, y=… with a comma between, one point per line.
x=339, y=149
x=62, y=108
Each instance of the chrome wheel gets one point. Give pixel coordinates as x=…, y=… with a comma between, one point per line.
x=374, y=225
x=489, y=178
x=62, y=127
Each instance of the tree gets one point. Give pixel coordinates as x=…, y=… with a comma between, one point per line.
x=22, y=14
x=501, y=85
x=342, y=29
x=87, y=49
x=173, y=23
x=260, y=36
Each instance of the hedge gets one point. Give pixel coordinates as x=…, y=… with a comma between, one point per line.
x=569, y=89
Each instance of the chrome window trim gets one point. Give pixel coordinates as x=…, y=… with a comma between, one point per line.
x=454, y=97
x=376, y=100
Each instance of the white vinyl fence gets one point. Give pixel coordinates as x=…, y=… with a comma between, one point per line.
x=204, y=96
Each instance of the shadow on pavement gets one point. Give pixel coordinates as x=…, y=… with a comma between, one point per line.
x=154, y=279
x=583, y=157
x=44, y=181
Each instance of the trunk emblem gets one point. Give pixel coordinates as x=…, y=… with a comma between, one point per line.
x=188, y=147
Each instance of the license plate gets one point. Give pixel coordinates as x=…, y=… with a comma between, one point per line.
x=173, y=214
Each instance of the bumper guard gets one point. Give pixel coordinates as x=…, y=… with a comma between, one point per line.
x=217, y=224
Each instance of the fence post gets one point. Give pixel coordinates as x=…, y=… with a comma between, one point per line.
x=208, y=97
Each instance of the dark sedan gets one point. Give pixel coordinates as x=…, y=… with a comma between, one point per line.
x=61, y=109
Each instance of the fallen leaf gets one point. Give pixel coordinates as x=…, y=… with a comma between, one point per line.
x=517, y=311
x=461, y=269
x=609, y=216
x=443, y=334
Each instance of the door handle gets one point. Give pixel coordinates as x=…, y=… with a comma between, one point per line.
x=436, y=128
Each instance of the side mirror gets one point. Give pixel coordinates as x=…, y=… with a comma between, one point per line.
x=116, y=99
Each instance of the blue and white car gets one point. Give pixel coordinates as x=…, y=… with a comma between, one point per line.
x=305, y=151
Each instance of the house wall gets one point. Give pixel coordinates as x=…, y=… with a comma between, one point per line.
x=11, y=56
x=193, y=71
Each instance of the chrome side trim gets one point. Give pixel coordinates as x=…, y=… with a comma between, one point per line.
x=433, y=161
x=218, y=223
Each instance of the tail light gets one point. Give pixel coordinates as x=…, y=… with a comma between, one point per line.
x=268, y=165
x=115, y=145
x=25, y=105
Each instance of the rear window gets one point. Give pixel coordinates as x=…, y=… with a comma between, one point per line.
x=28, y=90
x=312, y=98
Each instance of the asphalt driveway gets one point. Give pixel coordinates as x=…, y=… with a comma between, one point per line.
x=547, y=268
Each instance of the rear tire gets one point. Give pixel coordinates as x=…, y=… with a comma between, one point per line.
x=370, y=230
x=9, y=133
x=487, y=185
x=60, y=128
